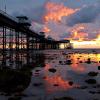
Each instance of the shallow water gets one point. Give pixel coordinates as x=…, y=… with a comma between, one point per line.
x=60, y=74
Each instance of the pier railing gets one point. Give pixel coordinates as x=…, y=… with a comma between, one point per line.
x=13, y=18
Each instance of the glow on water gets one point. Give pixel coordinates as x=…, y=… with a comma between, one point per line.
x=62, y=76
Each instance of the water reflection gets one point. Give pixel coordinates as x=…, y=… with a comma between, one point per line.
x=57, y=83
x=43, y=74
x=79, y=61
x=15, y=74
x=68, y=76
x=84, y=57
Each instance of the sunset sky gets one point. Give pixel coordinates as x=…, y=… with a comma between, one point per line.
x=59, y=18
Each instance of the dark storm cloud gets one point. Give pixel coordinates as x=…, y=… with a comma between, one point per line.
x=34, y=14
x=84, y=15
x=35, y=10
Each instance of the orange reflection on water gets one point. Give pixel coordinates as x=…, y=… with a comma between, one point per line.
x=84, y=57
x=47, y=66
x=57, y=83
x=79, y=59
x=77, y=67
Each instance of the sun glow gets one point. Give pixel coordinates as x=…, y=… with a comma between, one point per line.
x=95, y=43
x=79, y=37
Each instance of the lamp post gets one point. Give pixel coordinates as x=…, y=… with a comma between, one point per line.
x=5, y=6
x=1, y=2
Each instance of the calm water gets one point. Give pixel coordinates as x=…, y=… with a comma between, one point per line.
x=61, y=75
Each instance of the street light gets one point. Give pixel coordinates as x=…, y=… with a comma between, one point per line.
x=5, y=7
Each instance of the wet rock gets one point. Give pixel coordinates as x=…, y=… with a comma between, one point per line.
x=88, y=61
x=98, y=85
x=12, y=81
x=91, y=81
x=52, y=70
x=68, y=62
x=95, y=99
x=37, y=70
x=94, y=87
x=60, y=62
x=92, y=92
x=83, y=87
x=80, y=62
x=14, y=98
x=93, y=73
x=70, y=83
x=98, y=67
x=98, y=92
x=64, y=98
x=37, y=84
x=8, y=94
x=56, y=84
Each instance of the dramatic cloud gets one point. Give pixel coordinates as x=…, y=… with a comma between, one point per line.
x=86, y=14
x=58, y=18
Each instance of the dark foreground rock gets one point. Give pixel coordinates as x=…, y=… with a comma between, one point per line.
x=91, y=81
x=70, y=83
x=64, y=98
x=14, y=98
x=93, y=73
x=12, y=81
x=98, y=67
x=52, y=70
x=88, y=61
x=68, y=62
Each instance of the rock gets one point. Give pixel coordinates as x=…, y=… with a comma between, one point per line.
x=37, y=84
x=14, y=98
x=70, y=83
x=98, y=92
x=95, y=99
x=80, y=62
x=91, y=81
x=93, y=73
x=98, y=85
x=60, y=62
x=98, y=67
x=68, y=62
x=83, y=87
x=64, y=98
x=8, y=94
x=56, y=84
x=92, y=92
x=88, y=61
x=37, y=70
x=52, y=70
